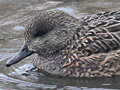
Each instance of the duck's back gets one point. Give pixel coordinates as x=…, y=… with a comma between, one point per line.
x=101, y=33
x=95, y=48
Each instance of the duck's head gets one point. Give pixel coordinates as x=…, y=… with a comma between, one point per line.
x=46, y=33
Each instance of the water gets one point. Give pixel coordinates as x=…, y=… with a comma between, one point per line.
x=14, y=15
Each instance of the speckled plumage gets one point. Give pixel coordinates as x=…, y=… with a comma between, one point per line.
x=66, y=46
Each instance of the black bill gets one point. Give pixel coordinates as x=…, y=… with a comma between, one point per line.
x=23, y=53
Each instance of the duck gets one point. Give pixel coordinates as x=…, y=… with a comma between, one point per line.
x=68, y=46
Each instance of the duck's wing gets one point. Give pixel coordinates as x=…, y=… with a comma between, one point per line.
x=102, y=34
x=103, y=64
x=108, y=15
x=97, y=51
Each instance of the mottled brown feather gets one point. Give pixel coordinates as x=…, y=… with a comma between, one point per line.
x=92, y=52
x=66, y=46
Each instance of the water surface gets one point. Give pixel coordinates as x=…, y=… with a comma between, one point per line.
x=14, y=15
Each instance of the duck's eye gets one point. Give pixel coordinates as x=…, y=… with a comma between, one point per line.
x=43, y=29
x=40, y=34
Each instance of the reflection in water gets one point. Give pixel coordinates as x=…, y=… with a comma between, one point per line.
x=23, y=84
x=14, y=15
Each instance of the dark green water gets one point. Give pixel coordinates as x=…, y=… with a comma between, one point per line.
x=14, y=15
